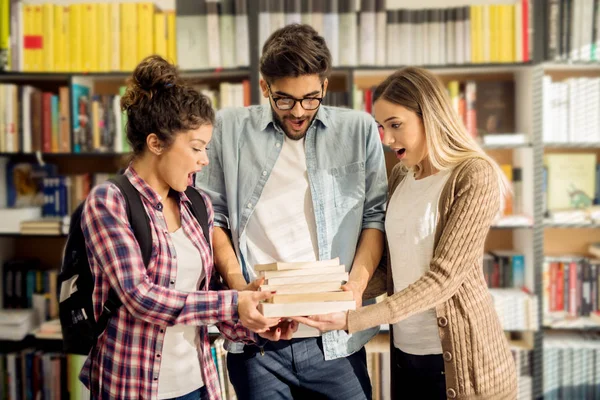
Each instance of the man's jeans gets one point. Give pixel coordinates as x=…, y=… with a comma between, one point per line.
x=296, y=369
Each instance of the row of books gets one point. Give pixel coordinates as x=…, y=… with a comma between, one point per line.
x=570, y=110
x=212, y=34
x=487, y=108
x=34, y=120
x=374, y=35
x=504, y=269
x=570, y=288
x=573, y=32
x=524, y=365
x=34, y=374
x=27, y=285
x=571, y=366
x=90, y=37
x=516, y=309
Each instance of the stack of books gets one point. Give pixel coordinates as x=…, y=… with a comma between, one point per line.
x=304, y=288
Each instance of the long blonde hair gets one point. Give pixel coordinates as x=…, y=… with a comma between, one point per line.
x=448, y=142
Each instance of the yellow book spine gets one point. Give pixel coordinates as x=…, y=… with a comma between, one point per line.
x=28, y=38
x=115, y=37
x=160, y=35
x=38, y=29
x=145, y=30
x=171, y=38
x=493, y=44
x=90, y=37
x=75, y=38
x=511, y=33
x=61, y=37
x=129, y=36
x=48, y=64
x=104, y=38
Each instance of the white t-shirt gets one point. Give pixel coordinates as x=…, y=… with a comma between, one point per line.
x=282, y=226
x=410, y=227
x=180, y=371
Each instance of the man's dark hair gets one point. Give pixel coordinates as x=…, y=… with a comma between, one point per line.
x=293, y=51
x=157, y=102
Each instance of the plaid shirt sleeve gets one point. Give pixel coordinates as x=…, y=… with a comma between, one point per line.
x=110, y=240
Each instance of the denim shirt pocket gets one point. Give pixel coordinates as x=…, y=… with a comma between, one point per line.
x=348, y=185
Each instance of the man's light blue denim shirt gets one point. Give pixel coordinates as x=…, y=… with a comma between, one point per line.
x=346, y=174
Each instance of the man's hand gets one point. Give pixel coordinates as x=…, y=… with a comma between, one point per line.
x=249, y=315
x=326, y=322
x=284, y=331
x=255, y=284
x=356, y=289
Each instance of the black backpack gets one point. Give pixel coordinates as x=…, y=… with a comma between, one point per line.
x=75, y=282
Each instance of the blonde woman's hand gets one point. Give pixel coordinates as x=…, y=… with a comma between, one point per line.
x=326, y=322
x=248, y=313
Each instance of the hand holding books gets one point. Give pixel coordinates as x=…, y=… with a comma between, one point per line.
x=309, y=288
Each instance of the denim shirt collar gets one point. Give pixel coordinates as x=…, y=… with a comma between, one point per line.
x=267, y=117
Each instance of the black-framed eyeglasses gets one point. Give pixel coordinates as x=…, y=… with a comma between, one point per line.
x=288, y=103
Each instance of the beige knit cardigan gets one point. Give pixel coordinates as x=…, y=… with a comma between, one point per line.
x=478, y=362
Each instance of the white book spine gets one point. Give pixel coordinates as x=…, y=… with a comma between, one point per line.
x=242, y=53
x=317, y=22
x=228, y=47
x=391, y=45
x=277, y=21
x=451, y=37
x=293, y=18
x=331, y=30
x=213, y=37
x=442, y=57
x=380, y=51
x=466, y=43
x=118, y=146
x=367, y=38
x=264, y=29
x=461, y=39
x=26, y=110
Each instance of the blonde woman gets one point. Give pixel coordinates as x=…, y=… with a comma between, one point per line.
x=447, y=341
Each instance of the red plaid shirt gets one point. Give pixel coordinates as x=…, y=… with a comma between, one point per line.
x=125, y=363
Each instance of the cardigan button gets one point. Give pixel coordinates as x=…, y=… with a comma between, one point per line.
x=451, y=393
x=447, y=356
x=443, y=322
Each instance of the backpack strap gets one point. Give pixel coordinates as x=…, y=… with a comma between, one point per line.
x=198, y=209
x=140, y=224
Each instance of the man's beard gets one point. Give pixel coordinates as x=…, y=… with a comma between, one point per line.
x=291, y=134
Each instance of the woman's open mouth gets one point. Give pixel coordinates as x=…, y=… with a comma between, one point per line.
x=400, y=153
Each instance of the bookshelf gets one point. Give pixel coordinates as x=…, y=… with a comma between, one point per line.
x=535, y=238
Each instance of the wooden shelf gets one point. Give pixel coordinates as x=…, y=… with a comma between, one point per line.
x=574, y=145
x=59, y=76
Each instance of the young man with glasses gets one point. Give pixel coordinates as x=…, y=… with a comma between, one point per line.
x=297, y=181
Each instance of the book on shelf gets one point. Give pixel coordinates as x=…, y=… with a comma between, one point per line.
x=304, y=289
x=570, y=181
x=573, y=31
x=570, y=110
x=372, y=34
x=571, y=362
x=570, y=288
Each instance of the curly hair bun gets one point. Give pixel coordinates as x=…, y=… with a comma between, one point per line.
x=152, y=75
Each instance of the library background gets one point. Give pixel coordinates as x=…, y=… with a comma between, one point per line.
x=524, y=75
